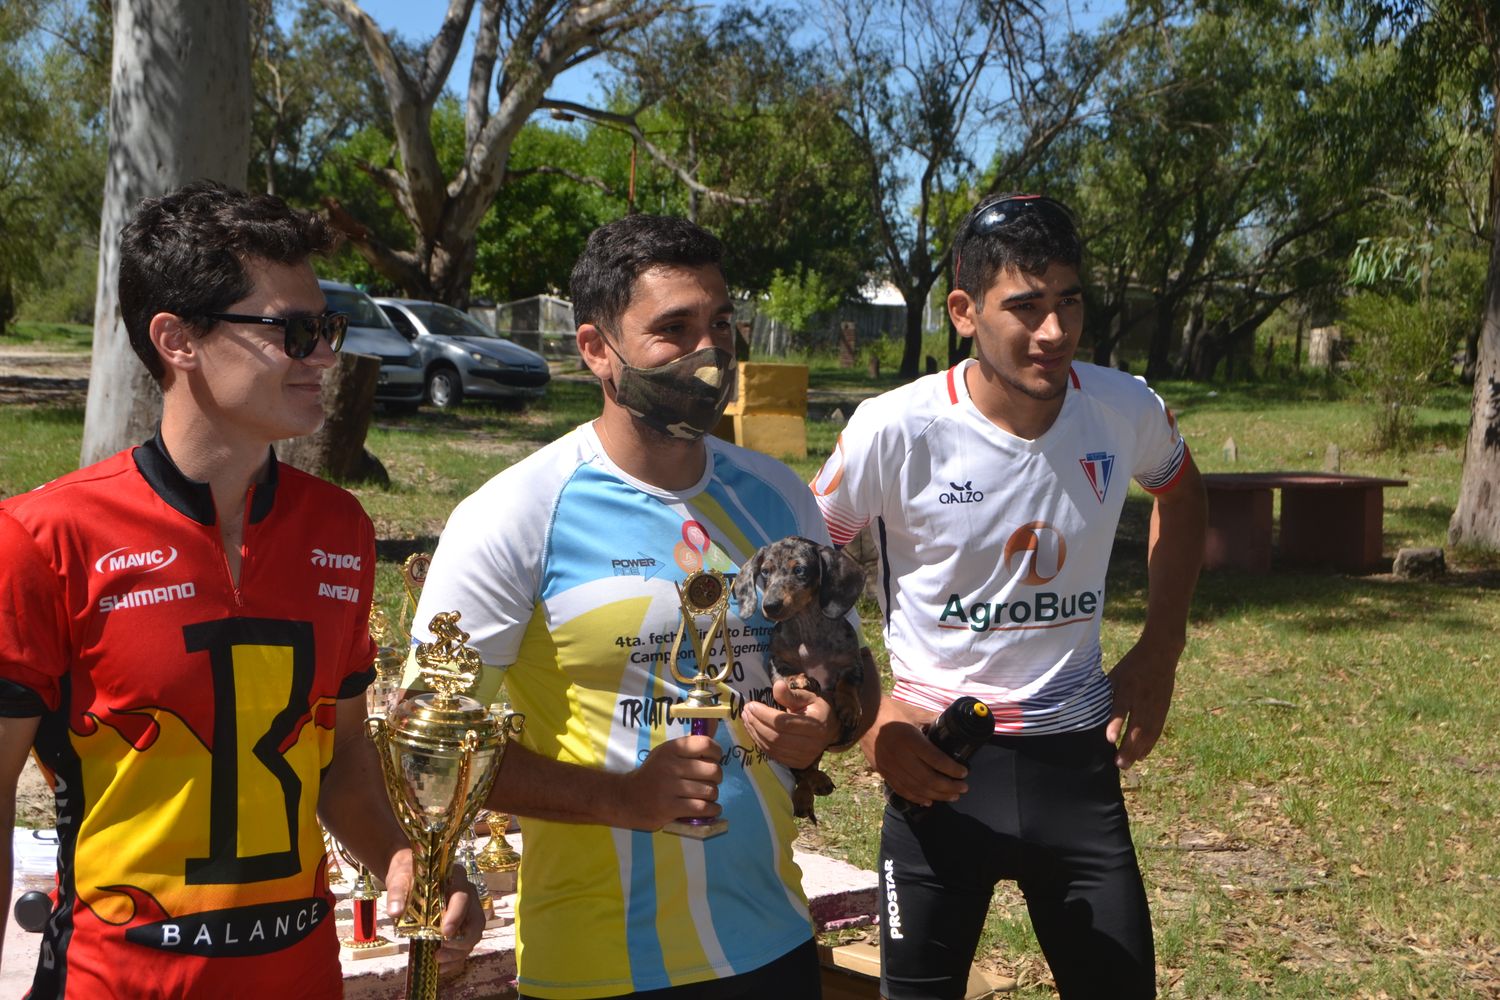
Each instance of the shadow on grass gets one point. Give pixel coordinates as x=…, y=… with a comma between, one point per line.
x=1314, y=601
x=1427, y=520
x=397, y=550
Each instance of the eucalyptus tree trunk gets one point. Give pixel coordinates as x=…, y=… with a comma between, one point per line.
x=1476, y=521
x=179, y=110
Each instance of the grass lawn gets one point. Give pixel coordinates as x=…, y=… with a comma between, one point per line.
x=71, y=337
x=1319, y=819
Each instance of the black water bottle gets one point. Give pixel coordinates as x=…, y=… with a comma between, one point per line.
x=962, y=728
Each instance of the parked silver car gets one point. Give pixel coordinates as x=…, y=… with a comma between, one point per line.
x=400, y=382
x=463, y=357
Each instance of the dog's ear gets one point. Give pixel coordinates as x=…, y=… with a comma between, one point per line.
x=841, y=583
x=744, y=585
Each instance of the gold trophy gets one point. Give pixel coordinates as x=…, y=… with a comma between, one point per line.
x=413, y=576
x=389, y=662
x=498, y=857
x=703, y=593
x=439, y=753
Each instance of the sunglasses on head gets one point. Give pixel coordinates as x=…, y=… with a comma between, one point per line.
x=998, y=214
x=302, y=332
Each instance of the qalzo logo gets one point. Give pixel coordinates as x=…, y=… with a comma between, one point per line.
x=334, y=560
x=961, y=494
x=148, y=560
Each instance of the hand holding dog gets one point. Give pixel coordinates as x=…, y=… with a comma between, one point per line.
x=795, y=737
x=916, y=770
x=678, y=780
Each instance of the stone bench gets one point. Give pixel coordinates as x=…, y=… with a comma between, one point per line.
x=1328, y=520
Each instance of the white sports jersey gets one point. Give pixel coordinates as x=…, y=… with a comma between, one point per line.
x=994, y=548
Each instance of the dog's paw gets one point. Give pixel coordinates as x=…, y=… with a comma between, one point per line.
x=802, y=801
x=802, y=682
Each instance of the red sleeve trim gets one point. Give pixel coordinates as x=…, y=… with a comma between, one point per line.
x=1171, y=484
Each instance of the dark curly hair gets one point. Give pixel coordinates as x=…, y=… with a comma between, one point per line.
x=185, y=253
x=620, y=252
x=1029, y=237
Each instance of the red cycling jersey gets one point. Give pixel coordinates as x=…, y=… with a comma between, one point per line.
x=186, y=721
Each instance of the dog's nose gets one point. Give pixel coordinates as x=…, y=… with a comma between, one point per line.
x=771, y=608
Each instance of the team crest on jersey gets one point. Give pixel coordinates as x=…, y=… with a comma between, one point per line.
x=1098, y=466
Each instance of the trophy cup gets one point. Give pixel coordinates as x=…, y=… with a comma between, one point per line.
x=439, y=754
x=703, y=593
x=389, y=663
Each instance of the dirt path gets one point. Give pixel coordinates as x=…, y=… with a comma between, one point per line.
x=38, y=375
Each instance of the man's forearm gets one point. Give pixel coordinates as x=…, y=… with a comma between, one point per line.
x=532, y=785
x=1179, y=522
x=354, y=808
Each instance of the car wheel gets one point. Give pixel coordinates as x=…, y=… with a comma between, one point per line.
x=444, y=388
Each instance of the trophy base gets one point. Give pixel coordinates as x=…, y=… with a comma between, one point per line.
x=351, y=950
x=500, y=883
x=686, y=710
x=697, y=831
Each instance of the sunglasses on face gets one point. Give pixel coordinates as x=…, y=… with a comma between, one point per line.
x=302, y=332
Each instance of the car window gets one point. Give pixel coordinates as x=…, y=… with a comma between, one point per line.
x=358, y=306
x=403, y=325
x=446, y=321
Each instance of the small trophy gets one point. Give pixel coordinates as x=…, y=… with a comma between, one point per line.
x=389, y=662
x=413, y=576
x=439, y=754
x=363, y=940
x=498, y=858
x=703, y=593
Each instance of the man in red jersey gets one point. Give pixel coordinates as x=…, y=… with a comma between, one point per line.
x=183, y=639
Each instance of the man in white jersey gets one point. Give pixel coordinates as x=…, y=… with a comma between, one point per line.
x=565, y=569
x=995, y=489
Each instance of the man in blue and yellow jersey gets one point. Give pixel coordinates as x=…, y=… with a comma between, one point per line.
x=183, y=639
x=564, y=568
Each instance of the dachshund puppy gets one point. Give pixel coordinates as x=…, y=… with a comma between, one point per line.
x=807, y=590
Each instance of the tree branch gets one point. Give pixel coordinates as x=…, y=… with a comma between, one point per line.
x=401, y=267
x=577, y=178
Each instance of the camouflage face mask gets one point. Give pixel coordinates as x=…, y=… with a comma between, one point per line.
x=682, y=399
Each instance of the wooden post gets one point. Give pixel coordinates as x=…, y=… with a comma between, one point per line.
x=336, y=450
x=846, y=344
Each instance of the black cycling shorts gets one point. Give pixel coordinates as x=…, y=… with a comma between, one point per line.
x=1046, y=812
x=794, y=976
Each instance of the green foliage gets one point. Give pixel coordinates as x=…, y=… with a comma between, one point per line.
x=1401, y=352
x=314, y=88
x=1233, y=173
x=796, y=297
x=52, y=100
x=743, y=112
x=536, y=228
